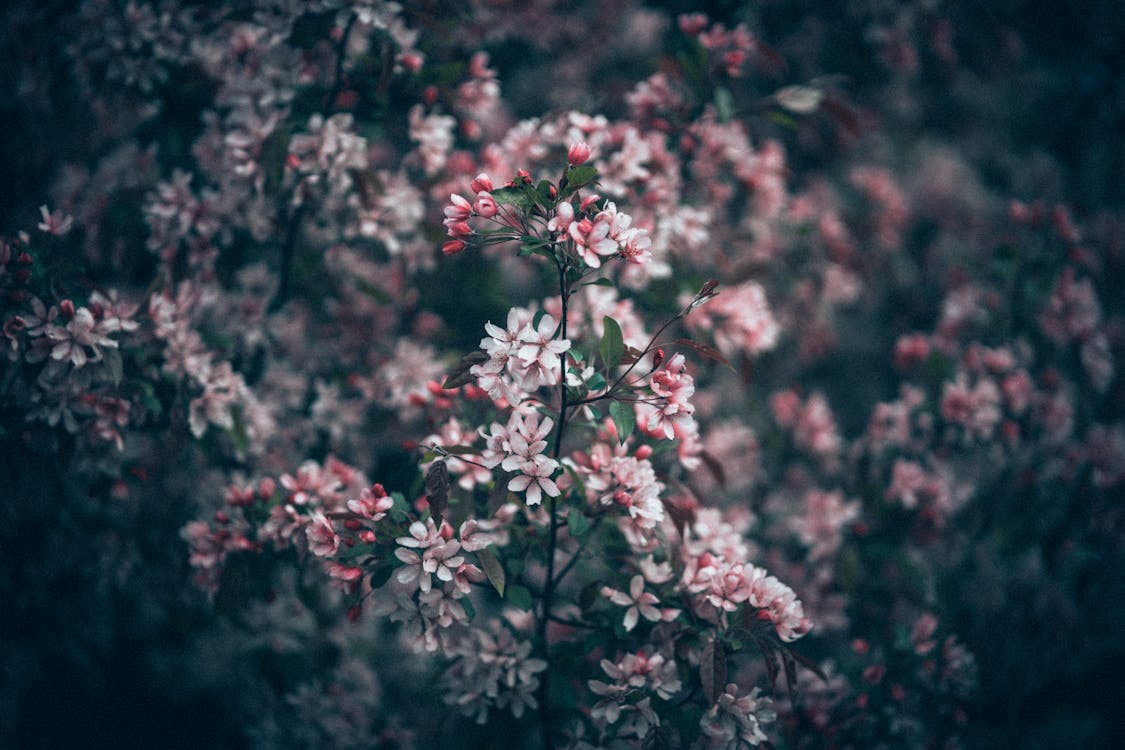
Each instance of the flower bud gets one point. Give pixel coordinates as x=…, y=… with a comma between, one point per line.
x=578, y=153
x=482, y=182
x=452, y=247
x=66, y=309
x=485, y=205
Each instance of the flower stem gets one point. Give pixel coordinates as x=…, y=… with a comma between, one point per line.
x=552, y=538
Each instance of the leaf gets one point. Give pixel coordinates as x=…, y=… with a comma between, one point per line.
x=437, y=489
x=599, y=282
x=800, y=100
x=624, y=419
x=707, y=351
x=381, y=575
x=715, y=467
x=790, y=675
x=460, y=375
x=536, y=318
x=512, y=196
x=724, y=104
x=631, y=355
x=580, y=176
x=519, y=597
x=460, y=450
x=492, y=568
x=114, y=364
x=577, y=522
x=713, y=670
x=771, y=665
x=808, y=664
x=612, y=346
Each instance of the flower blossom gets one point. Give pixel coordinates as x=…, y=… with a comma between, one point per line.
x=639, y=603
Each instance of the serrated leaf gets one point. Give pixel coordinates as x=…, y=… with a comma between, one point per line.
x=612, y=345
x=520, y=598
x=493, y=569
x=713, y=670
x=707, y=351
x=437, y=489
x=624, y=419
x=460, y=374
x=577, y=522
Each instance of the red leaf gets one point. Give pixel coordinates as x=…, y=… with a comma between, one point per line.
x=707, y=351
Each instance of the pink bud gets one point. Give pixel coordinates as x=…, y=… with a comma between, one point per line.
x=578, y=153
x=66, y=308
x=485, y=205
x=459, y=208
x=452, y=247
x=412, y=61
x=481, y=183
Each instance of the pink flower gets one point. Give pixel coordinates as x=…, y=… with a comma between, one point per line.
x=578, y=153
x=639, y=602
x=323, y=541
x=536, y=479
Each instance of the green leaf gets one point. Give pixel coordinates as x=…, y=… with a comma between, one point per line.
x=577, y=522
x=580, y=176
x=381, y=575
x=612, y=346
x=624, y=419
x=538, y=317
x=599, y=282
x=520, y=597
x=724, y=104
x=492, y=568
x=512, y=196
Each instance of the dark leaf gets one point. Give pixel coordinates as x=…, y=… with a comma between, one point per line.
x=624, y=419
x=808, y=664
x=519, y=597
x=381, y=575
x=577, y=522
x=707, y=351
x=771, y=665
x=538, y=317
x=460, y=375
x=114, y=365
x=790, y=675
x=715, y=467
x=580, y=176
x=599, y=282
x=492, y=568
x=713, y=670
x=612, y=346
x=437, y=490
x=631, y=355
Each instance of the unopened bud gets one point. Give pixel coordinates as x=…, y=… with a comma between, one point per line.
x=578, y=153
